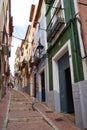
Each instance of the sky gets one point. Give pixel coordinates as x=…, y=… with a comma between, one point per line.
x=20, y=10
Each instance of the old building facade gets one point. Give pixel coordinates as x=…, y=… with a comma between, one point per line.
x=57, y=59
x=40, y=53
x=6, y=30
x=66, y=55
x=80, y=88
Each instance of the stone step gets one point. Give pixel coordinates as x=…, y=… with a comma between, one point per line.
x=25, y=119
x=20, y=109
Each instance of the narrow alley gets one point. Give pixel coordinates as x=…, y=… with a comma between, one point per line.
x=23, y=115
x=43, y=65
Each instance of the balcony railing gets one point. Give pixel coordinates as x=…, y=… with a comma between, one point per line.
x=18, y=73
x=55, y=29
x=28, y=72
x=48, y=1
x=31, y=61
x=26, y=46
x=5, y=50
x=36, y=60
x=23, y=64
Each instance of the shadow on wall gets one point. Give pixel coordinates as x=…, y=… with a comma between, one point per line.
x=53, y=100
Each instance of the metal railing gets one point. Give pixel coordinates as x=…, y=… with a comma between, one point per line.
x=54, y=29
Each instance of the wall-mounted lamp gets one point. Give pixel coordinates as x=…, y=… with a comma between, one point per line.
x=38, y=51
x=40, y=46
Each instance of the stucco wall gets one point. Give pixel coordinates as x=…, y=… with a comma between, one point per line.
x=80, y=102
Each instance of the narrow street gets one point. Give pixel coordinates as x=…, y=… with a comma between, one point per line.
x=43, y=65
x=22, y=115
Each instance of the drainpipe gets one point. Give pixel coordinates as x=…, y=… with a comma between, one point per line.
x=76, y=49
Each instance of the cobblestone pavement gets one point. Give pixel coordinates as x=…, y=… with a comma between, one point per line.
x=26, y=113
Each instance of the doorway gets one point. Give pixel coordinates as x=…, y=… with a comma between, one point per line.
x=70, y=106
x=43, y=86
x=35, y=85
x=66, y=98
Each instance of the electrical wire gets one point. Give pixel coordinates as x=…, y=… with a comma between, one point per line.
x=16, y=37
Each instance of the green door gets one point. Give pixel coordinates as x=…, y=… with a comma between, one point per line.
x=66, y=99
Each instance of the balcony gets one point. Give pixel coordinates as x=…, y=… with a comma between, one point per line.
x=5, y=50
x=31, y=61
x=22, y=51
x=26, y=45
x=28, y=72
x=8, y=71
x=20, y=67
x=55, y=29
x=23, y=64
x=48, y=1
x=36, y=60
x=18, y=74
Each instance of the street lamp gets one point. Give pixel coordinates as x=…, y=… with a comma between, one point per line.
x=39, y=50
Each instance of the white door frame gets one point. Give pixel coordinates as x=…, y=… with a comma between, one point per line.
x=57, y=56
